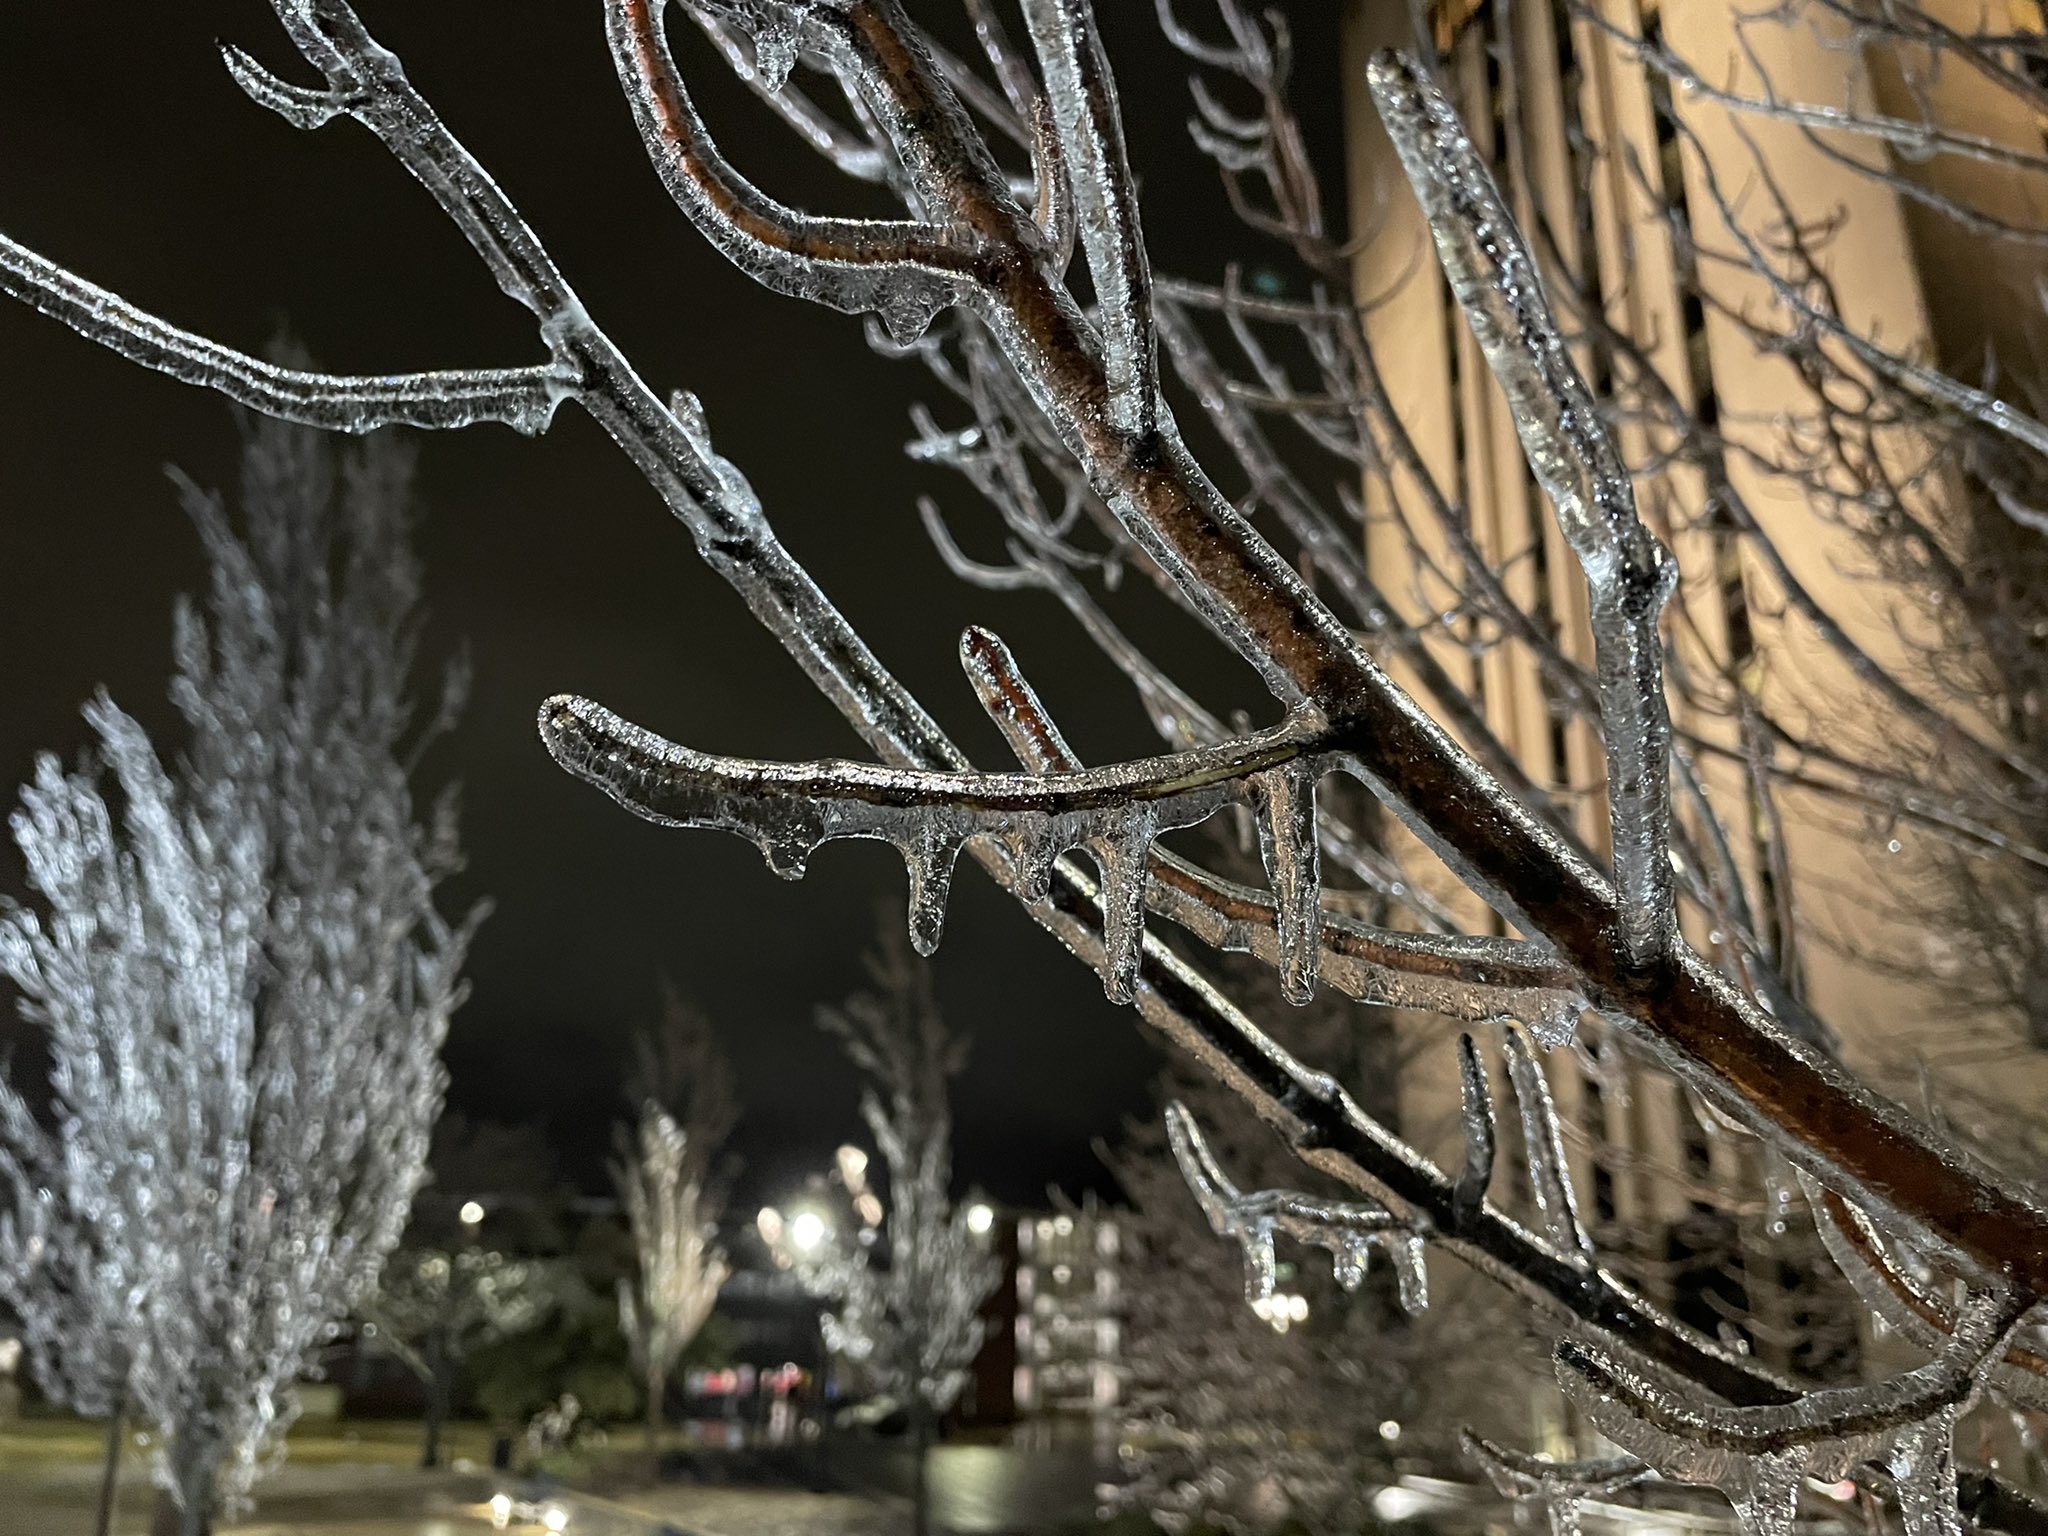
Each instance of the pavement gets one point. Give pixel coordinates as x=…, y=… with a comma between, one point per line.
x=328, y=1500
x=344, y=1500
x=709, y=1511
x=976, y=1491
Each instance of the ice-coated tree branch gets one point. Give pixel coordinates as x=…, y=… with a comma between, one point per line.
x=1116, y=812
x=1555, y=1485
x=1054, y=395
x=1628, y=573
x=1759, y=1455
x=1081, y=104
x=522, y=398
x=906, y=272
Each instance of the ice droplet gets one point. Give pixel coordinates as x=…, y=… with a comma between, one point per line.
x=777, y=41
x=1348, y=1262
x=1411, y=1270
x=929, y=859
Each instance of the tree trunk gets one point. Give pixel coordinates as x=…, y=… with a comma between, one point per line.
x=437, y=1396
x=920, y=1481
x=194, y=1517
x=110, y=1473
x=657, y=1390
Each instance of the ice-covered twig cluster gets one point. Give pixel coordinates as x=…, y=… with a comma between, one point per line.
x=1759, y=1456
x=1074, y=440
x=1555, y=1486
x=1350, y=1230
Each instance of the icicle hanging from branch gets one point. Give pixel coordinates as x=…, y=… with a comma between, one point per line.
x=1350, y=1230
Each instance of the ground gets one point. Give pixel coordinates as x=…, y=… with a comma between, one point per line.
x=363, y=1480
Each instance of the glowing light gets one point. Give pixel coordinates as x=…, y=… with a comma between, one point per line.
x=806, y=1231
x=471, y=1213
x=1389, y=1431
x=1395, y=1504
x=853, y=1165
x=501, y=1510
x=979, y=1219
x=1282, y=1311
x=555, y=1518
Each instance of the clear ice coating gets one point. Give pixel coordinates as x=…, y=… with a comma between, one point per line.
x=1286, y=803
x=1350, y=1230
x=1081, y=103
x=1115, y=813
x=1475, y=1111
x=1543, y=1146
x=905, y=272
x=1904, y=1297
x=522, y=398
x=242, y=982
x=1629, y=575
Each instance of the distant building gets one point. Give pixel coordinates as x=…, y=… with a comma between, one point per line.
x=1067, y=1338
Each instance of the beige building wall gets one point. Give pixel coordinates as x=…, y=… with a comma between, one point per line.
x=1645, y=1157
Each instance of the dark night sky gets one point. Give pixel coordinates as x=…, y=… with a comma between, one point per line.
x=129, y=155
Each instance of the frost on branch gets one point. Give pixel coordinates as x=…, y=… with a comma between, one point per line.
x=242, y=980
x=1349, y=1230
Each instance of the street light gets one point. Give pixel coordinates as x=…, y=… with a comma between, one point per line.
x=471, y=1214
x=806, y=1231
x=980, y=1217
